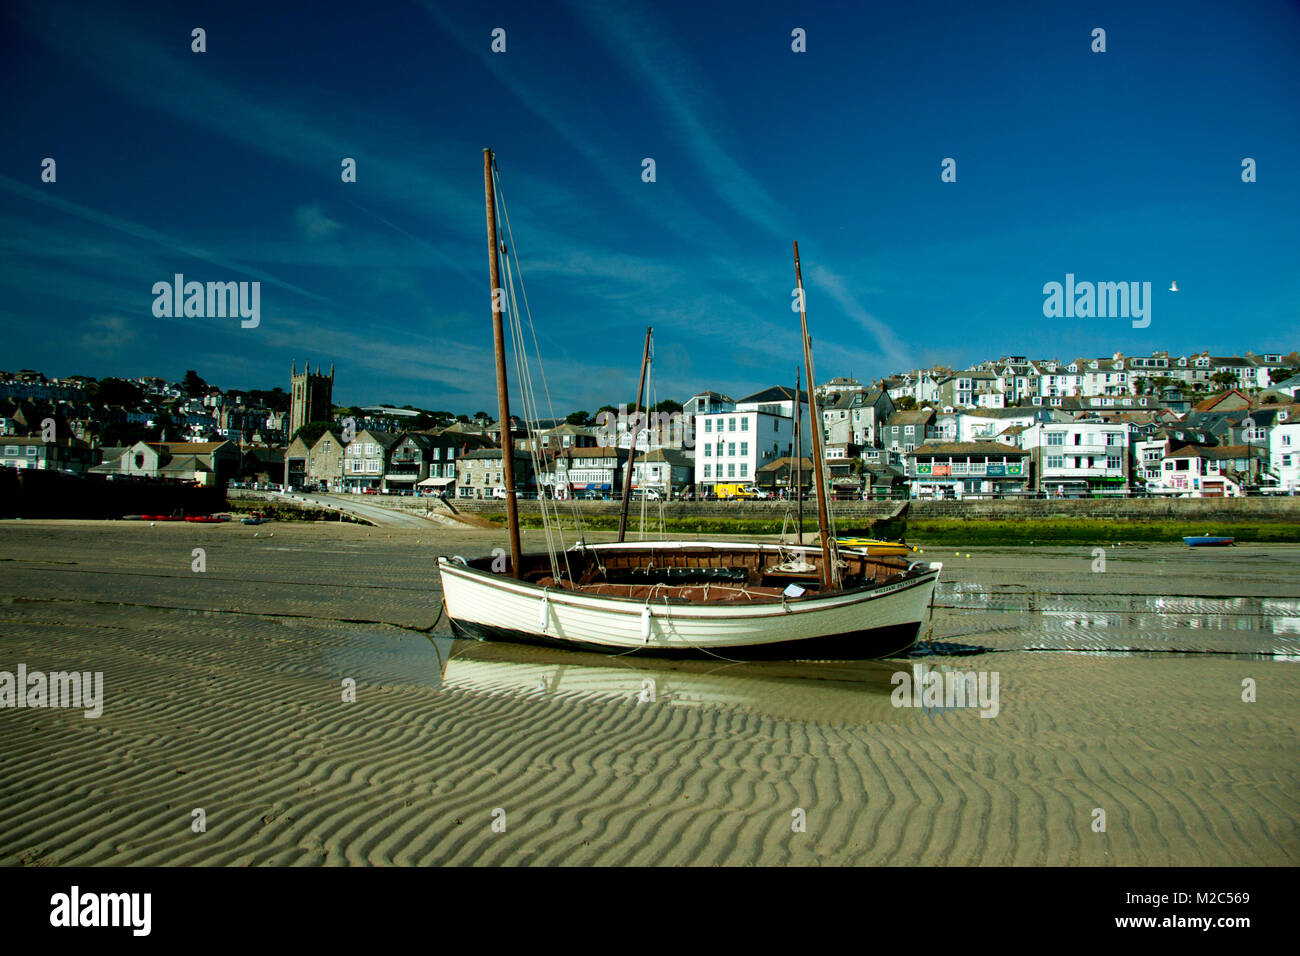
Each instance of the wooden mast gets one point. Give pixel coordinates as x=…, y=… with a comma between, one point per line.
x=631, y=452
x=819, y=465
x=499, y=345
x=798, y=450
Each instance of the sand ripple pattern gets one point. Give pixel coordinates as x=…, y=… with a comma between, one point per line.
x=226, y=694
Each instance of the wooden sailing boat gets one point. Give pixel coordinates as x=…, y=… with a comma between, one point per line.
x=686, y=598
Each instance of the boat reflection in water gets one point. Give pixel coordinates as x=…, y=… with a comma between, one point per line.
x=855, y=692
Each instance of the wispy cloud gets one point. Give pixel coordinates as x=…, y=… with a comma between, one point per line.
x=138, y=231
x=652, y=60
x=895, y=354
x=313, y=224
x=106, y=335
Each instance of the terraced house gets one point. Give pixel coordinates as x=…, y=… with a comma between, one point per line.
x=365, y=462
x=939, y=469
x=71, y=455
x=479, y=474
x=1080, y=457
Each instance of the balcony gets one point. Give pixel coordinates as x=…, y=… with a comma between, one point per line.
x=1086, y=449
x=1095, y=472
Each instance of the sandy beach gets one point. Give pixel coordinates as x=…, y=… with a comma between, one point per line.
x=1120, y=691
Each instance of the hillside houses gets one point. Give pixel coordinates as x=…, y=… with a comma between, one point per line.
x=1081, y=424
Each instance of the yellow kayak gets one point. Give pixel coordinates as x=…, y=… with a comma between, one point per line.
x=875, y=546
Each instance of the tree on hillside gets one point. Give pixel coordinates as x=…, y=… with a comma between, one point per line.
x=312, y=431
x=192, y=385
x=115, y=391
x=276, y=399
x=667, y=405
x=906, y=403
x=1281, y=374
x=580, y=417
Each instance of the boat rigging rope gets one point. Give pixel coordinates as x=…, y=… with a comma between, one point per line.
x=524, y=373
x=546, y=388
x=831, y=544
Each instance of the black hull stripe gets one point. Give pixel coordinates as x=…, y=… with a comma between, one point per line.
x=881, y=642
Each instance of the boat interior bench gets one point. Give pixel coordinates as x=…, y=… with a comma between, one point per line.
x=673, y=593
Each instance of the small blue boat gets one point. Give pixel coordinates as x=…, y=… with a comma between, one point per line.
x=1207, y=541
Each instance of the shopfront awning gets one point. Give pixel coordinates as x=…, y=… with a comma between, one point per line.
x=435, y=482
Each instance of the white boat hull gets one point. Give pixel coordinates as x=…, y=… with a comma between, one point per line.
x=861, y=623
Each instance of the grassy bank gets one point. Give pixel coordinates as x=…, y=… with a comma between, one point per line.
x=1088, y=531
x=956, y=531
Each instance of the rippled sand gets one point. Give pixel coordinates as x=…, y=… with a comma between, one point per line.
x=223, y=692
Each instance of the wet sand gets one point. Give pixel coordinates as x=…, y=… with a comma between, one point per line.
x=1119, y=690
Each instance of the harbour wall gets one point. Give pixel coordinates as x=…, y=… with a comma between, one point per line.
x=1261, y=509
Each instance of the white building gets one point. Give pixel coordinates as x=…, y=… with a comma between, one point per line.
x=1284, y=454
x=731, y=446
x=1078, y=457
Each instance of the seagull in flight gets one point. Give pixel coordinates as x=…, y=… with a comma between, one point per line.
x=1174, y=287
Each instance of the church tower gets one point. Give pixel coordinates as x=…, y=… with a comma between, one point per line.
x=311, y=396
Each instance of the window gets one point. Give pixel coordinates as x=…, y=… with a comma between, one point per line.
x=707, y=470
x=1055, y=461
x=909, y=430
x=1056, y=438
x=731, y=448
x=731, y=470
x=744, y=424
x=1113, y=438
x=744, y=448
x=708, y=450
x=731, y=424
x=13, y=450
x=1112, y=462
x=708, y=424
x=31, y=451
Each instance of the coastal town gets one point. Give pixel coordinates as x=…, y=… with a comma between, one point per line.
x=1195, y=425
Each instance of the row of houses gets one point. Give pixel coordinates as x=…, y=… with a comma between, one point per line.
x=1011, y=380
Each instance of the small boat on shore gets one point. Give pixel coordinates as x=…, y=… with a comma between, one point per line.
x=1207, y=541
x=727, y=600
x=876, y=547
x=255, y=518
x=695, y=598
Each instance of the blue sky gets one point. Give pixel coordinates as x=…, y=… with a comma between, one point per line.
x=225, y=165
